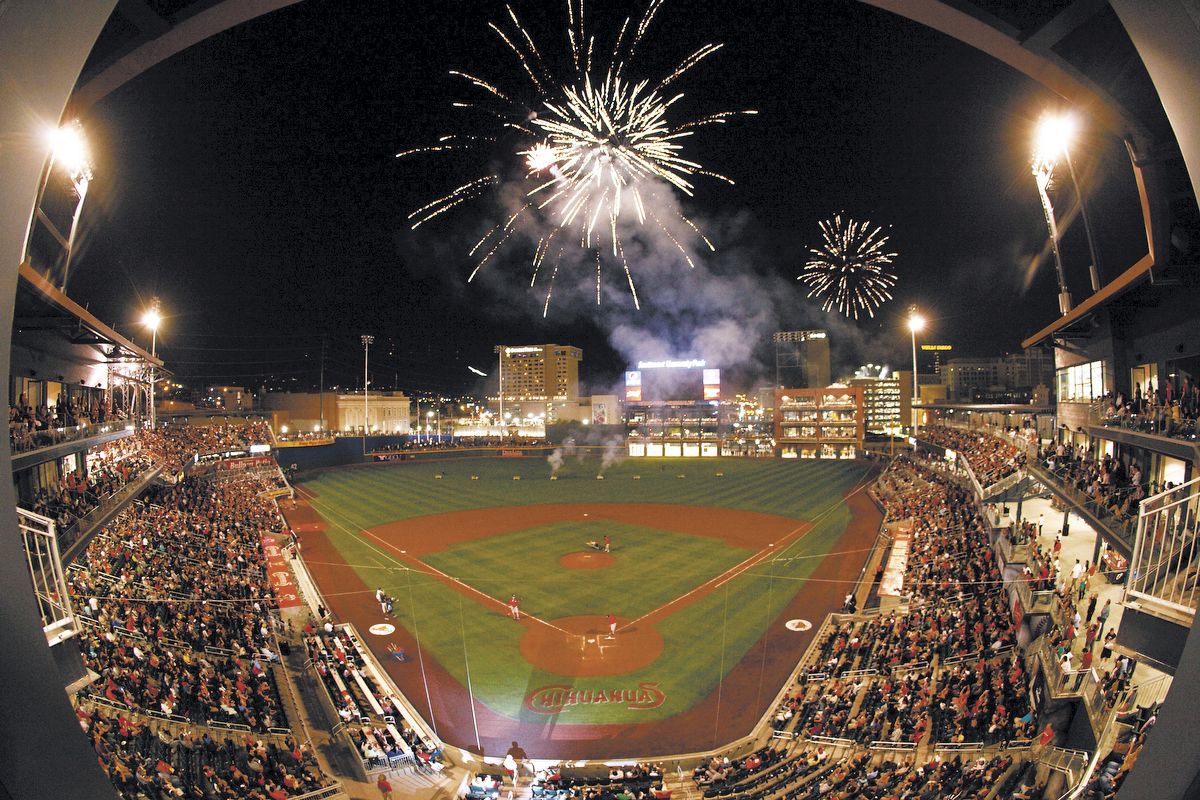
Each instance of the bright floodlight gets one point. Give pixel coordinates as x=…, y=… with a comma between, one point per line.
x=69, y=148
x=151, y=318
x=1055, y=132
x=429, y=415
x=916, y=323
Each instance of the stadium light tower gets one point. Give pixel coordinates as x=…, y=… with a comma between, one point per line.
x=69, y=151
x=367, y=341
x=1055, y=134
x=151, y=319
x=916, y=323
x=1052, y=141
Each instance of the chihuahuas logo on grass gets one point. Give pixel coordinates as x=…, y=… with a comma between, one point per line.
x=555, y=699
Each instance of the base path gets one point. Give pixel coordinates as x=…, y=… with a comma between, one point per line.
x=728, y=712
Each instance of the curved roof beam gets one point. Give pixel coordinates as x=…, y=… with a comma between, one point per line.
x=1001, y=43
x=221, y=16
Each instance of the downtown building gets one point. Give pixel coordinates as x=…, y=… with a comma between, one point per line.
x=1011, y=378
x=539, y=382
x=819, y=423
x=802, y=359
x=887, y=398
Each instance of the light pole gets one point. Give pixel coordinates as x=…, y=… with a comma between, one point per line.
x=916, y=322
x=500, y=381
x=428, y=417
x=68, y=149
x=367, y=341
x=1053, y=138
x=151, y=319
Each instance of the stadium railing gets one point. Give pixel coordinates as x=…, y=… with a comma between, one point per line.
x=73, y=536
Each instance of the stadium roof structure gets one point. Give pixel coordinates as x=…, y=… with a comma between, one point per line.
x=40, y=306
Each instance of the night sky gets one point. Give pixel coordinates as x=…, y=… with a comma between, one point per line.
x=250, y=183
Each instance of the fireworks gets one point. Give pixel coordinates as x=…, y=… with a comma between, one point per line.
x=598, y=147
x=847, y=269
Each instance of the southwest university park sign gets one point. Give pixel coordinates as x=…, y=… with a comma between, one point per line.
x=558, y=698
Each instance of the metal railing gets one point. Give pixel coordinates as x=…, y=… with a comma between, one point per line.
x=46, y=572
x=1072, y=763
x=1120, y=526
x=30, y=441
x=83, y=525
x=1157, y=422
x=1165, y=566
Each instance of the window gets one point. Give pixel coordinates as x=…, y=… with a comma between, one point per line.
x=1081, y=383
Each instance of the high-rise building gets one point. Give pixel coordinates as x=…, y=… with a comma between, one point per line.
x=539, y=372
x=802, y=359
x=887, y=398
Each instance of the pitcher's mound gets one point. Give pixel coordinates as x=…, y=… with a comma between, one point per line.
x=587, y=560
x=583, y=647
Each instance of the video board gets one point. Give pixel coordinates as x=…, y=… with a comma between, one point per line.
x=659, y=381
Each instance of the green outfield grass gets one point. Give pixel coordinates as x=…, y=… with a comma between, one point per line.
x=702, y=641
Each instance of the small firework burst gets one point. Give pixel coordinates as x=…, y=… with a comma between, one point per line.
x=849, y=268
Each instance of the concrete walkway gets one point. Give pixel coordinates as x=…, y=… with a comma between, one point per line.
x=1080, y=544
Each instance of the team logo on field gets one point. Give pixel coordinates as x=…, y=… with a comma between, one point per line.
x=555, y=699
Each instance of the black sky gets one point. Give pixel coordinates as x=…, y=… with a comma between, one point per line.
x=250, y=183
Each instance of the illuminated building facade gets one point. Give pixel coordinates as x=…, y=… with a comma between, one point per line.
x=539, y=372
x=819, y=423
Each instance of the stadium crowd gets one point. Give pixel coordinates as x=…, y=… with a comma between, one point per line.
x=78, y=493
x=944, y=670
x=812, y=773
x=25, y=422
x=992, y=459
x=178, y=623
x=159, y=765
x=1169, y=410
x=1111, y=485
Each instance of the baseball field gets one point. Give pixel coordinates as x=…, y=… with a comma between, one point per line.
x=676, y=639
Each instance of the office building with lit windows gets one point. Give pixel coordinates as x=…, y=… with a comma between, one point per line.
x=539, y=372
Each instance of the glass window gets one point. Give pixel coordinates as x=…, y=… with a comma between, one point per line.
x=1081, y=383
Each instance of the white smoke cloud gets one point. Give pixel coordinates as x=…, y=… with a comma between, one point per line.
x=722, y=308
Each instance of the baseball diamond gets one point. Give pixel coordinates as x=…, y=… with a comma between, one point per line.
x=673, y=641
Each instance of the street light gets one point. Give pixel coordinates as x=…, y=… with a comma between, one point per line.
x=428, y=416
x=916, y=323
x=1052, y=140
x=151, y=319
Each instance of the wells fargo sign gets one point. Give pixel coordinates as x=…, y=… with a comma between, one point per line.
x=555, y=699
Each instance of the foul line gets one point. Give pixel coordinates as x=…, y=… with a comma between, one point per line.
x=759, y=557
x=427, y=569
x=717, y=582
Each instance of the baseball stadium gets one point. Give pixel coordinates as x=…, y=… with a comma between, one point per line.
x=315, y=497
